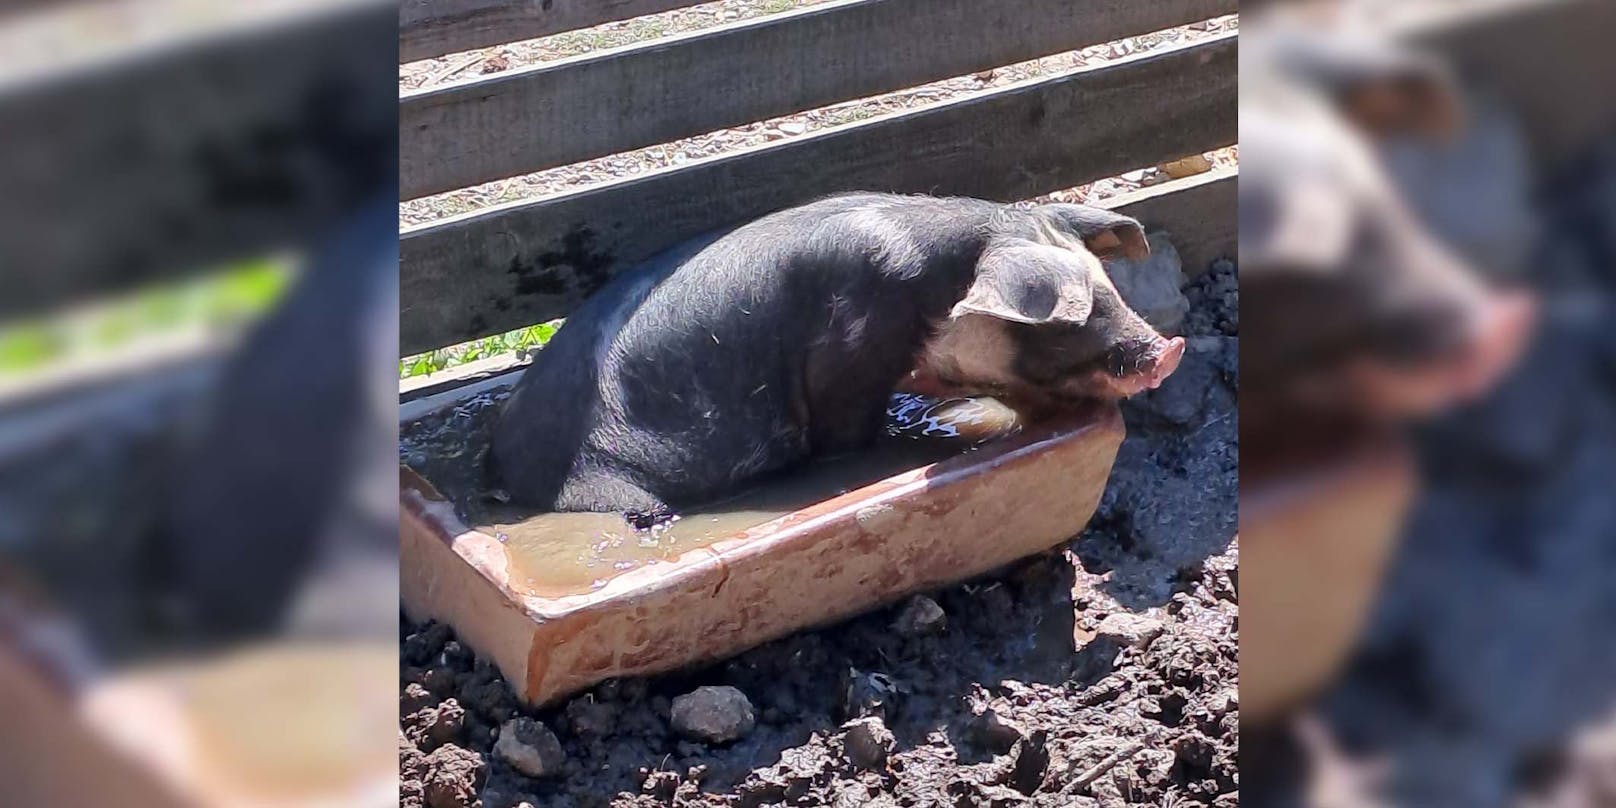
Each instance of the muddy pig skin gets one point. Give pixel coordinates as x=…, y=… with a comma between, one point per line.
x=745, y=352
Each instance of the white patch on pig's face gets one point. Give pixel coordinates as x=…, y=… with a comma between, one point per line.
x=971, y=354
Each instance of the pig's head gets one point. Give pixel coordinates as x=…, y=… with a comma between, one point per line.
x=1349, y=305
x=1041, y=322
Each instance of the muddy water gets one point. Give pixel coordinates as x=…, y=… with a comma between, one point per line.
x=568, y=553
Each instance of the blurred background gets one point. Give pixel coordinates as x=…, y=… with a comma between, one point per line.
x=1428, y=404
x=198, y=329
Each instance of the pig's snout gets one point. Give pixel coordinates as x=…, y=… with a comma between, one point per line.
x=1495, y=337
x=1144, y=366
x=1162, y=363
x=1502, y=331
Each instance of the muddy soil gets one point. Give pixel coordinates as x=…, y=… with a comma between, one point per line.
x=1023, y=693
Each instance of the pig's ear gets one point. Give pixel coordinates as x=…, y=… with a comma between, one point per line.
x=1107, y=234
x=1025, y=282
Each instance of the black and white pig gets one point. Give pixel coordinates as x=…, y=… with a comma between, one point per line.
x=748, y=351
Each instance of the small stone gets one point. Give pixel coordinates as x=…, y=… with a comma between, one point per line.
x=868, y=742
x=859, y=798
x=1131, y=630
x=414, y=698
x=713, y=714
x=489, y=698
x=453, y=776
x=530, y=748
x=661, y=784
x=1153, y=767
x=793, y=127
x=997, y=732
x=439, y=681
x=920, y=616
x=442, y=725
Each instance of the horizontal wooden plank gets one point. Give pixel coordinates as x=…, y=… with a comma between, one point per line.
x=428, y=28
x=177, y=159
x=599, y=104
x=1196, y=212
x=1550, y=61
x=517, y=264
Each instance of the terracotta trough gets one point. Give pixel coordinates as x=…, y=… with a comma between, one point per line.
x=923, y=528
x=1314, y=544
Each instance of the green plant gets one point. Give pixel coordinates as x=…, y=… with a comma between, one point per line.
x=521, y=340
x=222, y=298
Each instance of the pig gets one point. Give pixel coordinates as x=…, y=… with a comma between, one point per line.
x=746, y=352
x=1354, y=311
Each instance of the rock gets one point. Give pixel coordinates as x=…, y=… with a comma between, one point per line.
x=998, y=733
x=1153, y=767
x=712, y=714
x=1153, y=287
x=661, y=784
x=793, y=127
x=489, y=698
x=439, y=681
x=858, y=798
x=530, y=748
x=442, y=725
x=920, y=616
x=414, y=698
x=452, y=777
x=868, y=742
x=1131, y=630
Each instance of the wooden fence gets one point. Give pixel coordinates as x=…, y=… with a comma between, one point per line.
x=531, y=261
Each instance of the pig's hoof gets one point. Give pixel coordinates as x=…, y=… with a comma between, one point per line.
x=658, y=517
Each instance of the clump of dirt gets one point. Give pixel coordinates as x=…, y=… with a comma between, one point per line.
x=1020, y=694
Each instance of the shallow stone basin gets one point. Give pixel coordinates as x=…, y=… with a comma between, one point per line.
x=914, y=530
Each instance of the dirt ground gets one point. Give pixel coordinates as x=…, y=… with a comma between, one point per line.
x=1026, y=694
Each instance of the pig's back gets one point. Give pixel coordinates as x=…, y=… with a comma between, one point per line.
x=687, y=375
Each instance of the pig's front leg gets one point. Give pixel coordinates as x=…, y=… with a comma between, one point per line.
x=846, y=402
x=605, y=491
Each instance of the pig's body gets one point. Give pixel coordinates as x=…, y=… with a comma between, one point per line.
x=746, y=352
